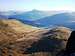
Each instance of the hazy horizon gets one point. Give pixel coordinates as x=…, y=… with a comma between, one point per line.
x=45, y=5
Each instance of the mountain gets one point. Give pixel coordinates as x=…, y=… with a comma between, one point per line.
x=33, y=15
x=61, y=19
x=29, y=17
x=43, y=19
x=46, y=19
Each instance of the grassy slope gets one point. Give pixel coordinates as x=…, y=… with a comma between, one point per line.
x=18, y=26
x=18, y=37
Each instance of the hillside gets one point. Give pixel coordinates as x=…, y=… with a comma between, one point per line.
x=17, y=39
x=12, y=28
x=61, y=19
x=16, y=25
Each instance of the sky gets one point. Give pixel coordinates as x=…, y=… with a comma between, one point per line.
x=46, y=5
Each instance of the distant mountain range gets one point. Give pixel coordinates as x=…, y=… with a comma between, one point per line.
x=61, y=19
x=43, y=19
x=33, y=15
x=57, y=19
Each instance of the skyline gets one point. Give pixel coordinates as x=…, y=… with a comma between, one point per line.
x=46, y=5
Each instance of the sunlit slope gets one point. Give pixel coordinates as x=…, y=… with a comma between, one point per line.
x=17, y=26
x=11, y=30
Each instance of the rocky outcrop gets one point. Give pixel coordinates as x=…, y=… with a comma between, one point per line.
x=17, y=39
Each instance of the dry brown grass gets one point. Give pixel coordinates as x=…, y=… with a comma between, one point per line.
x=15, y=37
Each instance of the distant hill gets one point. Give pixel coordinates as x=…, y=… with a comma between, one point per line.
x=61, y=19
x=33, y=15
